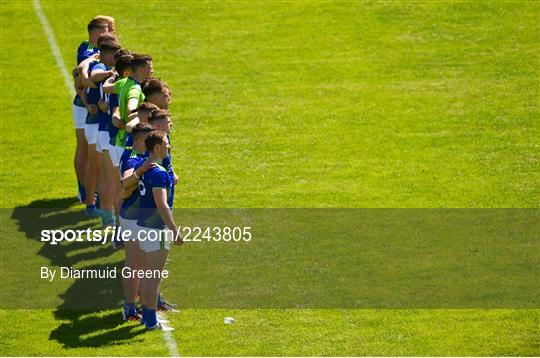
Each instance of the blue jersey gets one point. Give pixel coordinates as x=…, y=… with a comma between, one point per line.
x=167, y=164
x=131, y=159
x=95, y=94
x=85, y=50
x=105, y=118
x=155, y=177
x=129, y=141
x=113, y=102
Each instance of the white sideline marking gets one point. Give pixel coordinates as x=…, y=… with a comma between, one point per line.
x=171, y=344
x=54, y=46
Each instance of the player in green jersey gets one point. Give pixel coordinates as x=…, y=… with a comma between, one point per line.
x=130, y=94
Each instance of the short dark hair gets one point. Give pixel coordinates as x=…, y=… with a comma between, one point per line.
x=154, y=138
x=153, y=85
x=109, y=46
x=140, y=60
x=147, y=107
x=121, y=52
x=107, y=37
x=123, y=63
x=140, y=129
x=97, y=24
x=158, y=115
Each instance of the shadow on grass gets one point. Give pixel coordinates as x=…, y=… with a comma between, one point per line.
x=90, y=306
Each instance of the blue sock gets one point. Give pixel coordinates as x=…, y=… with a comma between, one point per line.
x=151, y=318
x=158, y=299
x=130, y=309
x=90, y=206
x=144, y=313
x=82, y=192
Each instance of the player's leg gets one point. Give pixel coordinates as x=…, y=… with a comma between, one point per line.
x=155, y=256
x=134, y=261
x=115, y=154
x=81, y=162
x=99, y=179
x=106, y=191
x=153, y=261
x=91, y=133
x=81, y=150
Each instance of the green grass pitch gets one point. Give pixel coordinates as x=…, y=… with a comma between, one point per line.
x=285, y=105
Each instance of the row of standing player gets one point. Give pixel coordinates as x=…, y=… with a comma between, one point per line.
x=123, y=157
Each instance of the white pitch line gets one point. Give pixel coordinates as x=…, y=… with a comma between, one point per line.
x=171, y=344
x=54, y=46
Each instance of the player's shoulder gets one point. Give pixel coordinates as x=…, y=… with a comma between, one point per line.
x=157, y=172
x=84, y=46
x=128, y=86
x=134, y=87
x=119, y=84
x=121, y=81
x=128, y=81
x=131, y=83
x=137, y=157
x=126, y=154
x=156, y=169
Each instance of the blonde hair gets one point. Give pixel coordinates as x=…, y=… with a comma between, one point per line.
x=109, y=20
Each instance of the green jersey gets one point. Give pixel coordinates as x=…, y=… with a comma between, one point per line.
x=126, y=88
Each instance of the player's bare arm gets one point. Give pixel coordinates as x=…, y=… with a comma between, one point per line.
x=99, y=75
x=85, y=79
x=103, y=105
x=133, y=121
x=108, y=85
x=116, y=120
x=160, y=197
x=133, y=117
x=92, y=108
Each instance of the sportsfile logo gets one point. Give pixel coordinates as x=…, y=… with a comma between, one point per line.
x=117, y=234
x=89, y=235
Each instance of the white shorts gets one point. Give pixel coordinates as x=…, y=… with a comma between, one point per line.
x=151, y=240
x=115, y=153
x=103, y=141
x=79, y=116
x=131, y=225
x=91, y=133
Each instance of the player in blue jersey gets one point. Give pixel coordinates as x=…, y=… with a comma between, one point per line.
x=161, y=120
x=143, y=113
x=155, y=216
x=132, y=167
x=99, y=71
x=123, y=69
x=87, y=49
x=107, y=188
